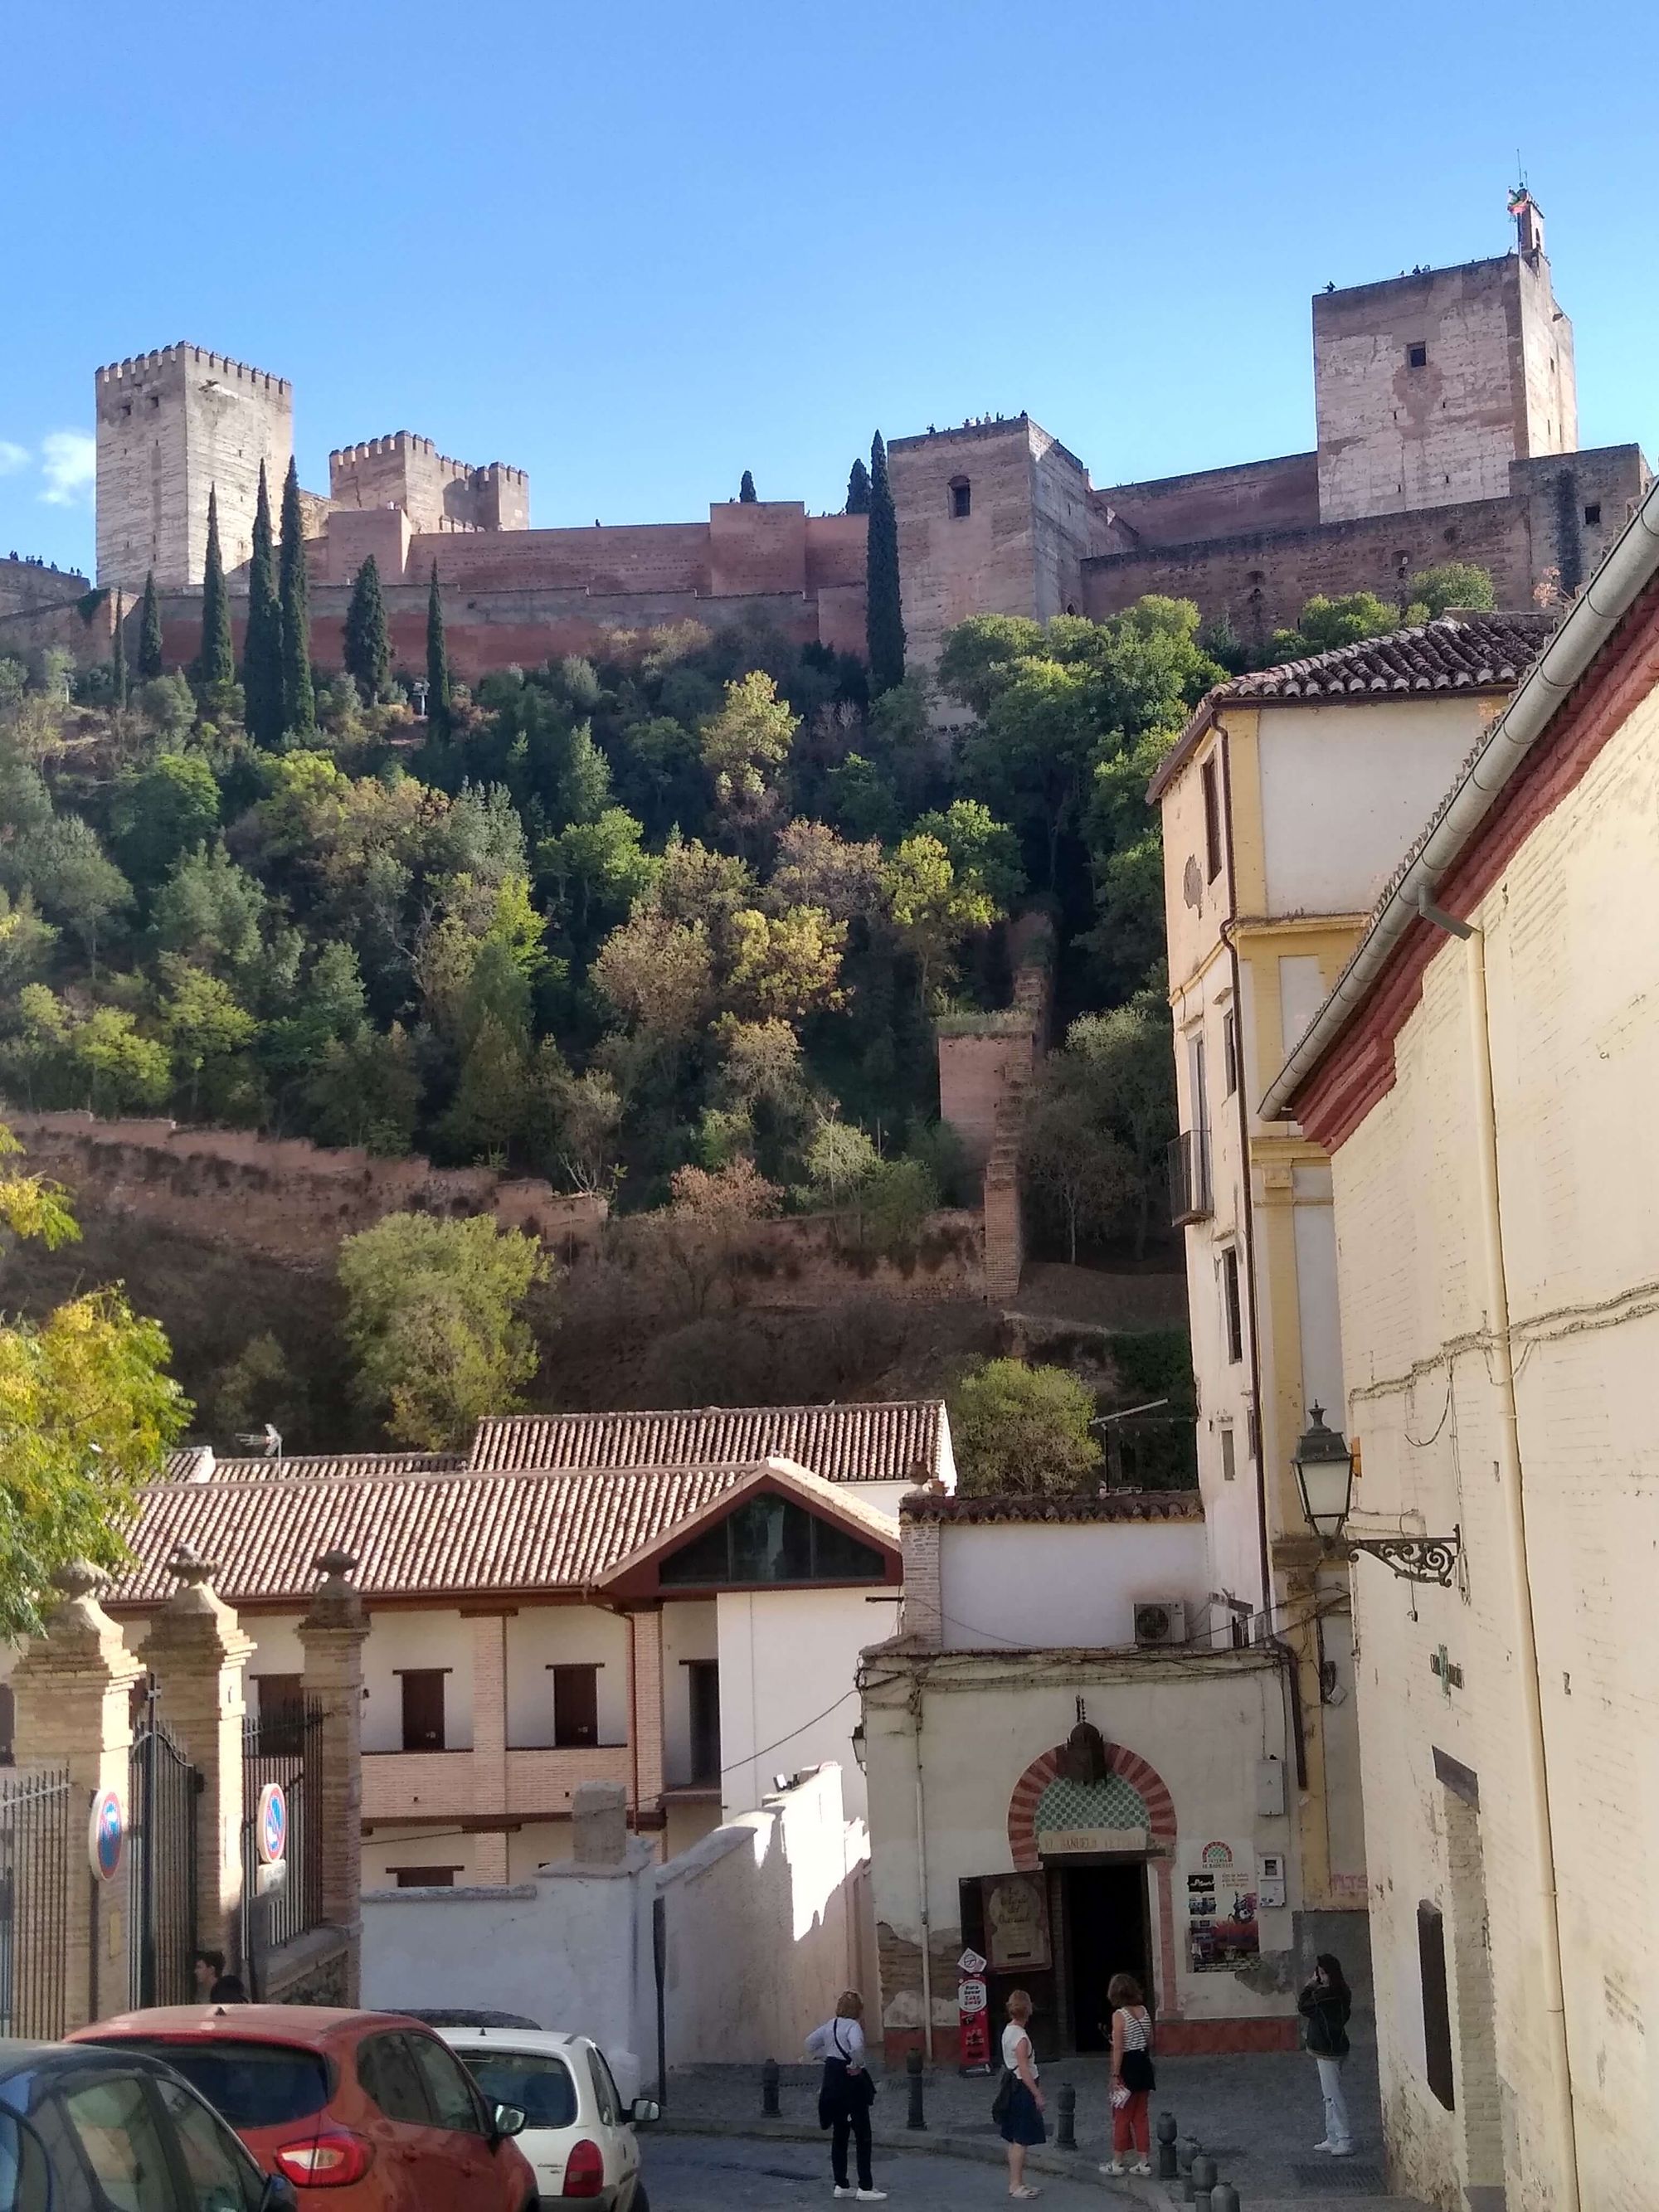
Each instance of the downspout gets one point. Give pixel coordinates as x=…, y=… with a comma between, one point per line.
x=921, y=1886
x=1512, y=1492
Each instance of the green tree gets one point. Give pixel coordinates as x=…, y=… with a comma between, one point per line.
x=1125, y=1059
x=748, y=740
x=121, y=1070
x=593, y=872
x=26, y=944
x=119, y=662
x=1071, y=1163
x=858, y=490
x=1022, y=1431
x=75, y=880
x=747, y=496
x=435, y=1320
x=215, y=661
x=984, y=852
x=205, y=1027
x=365, y=1089
x=884, y=618
x=367, y=652
x=437, y=661
x=149, y=630
x=87, y=1410
x=932, y=908
x=1452, y=584
x=299, y=698
x=1325, y=623
x=262, y=641
x=161, y=812
x=210, y=911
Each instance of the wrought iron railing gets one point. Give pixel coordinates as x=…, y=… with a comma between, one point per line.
x=1189, y=1176
x=163, y=1794
x=284, y=1747
x=35, y=1819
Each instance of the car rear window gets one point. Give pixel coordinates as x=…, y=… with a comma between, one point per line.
x=541, y=2087
x=253, y=2085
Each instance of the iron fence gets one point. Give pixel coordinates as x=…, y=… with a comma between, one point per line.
x=35, y=1818
x=286, y=1747
x=162, y=1790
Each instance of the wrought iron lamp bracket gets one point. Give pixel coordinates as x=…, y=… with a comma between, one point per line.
x=1414, y=1559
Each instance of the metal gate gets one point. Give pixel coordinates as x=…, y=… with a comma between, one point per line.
x=35, y=1823
x=278, y=1904
x=161, y=1796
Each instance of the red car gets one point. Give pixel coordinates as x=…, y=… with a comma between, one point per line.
x=371, y=2106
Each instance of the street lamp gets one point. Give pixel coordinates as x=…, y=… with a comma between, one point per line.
x=420, y=688
x=1324, y=1479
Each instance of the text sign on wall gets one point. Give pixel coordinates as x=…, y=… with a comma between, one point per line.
x=1056, y=1842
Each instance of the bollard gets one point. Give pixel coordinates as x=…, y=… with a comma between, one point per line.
x=1166, y=2146
x=913, y=2069
x=1186, y=2151
x=1066, y=2128
x=1223, y=2197
x=1204, y=2176
x=770, y=2091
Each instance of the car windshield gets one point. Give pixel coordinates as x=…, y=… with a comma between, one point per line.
x=540, y=2086
x=253, y=2085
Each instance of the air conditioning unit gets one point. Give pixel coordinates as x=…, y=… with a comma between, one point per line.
x=1159, y=1621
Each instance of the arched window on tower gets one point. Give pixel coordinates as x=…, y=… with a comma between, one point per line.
x=962, y=497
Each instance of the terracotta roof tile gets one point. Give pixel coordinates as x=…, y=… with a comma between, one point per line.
x=903, y=1441
x=1114, y=1505
x=200, y=1463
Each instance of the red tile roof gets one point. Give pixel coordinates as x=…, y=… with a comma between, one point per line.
x=200, y=1463
x=1115, y=1505
x=903, y=1441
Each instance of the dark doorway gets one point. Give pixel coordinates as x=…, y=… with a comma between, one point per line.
x=575, y=1707
x=1104, y=1910
x=423, y=1708
x=703, y=1683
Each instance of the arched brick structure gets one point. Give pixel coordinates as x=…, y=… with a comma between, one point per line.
x=1129, y=1766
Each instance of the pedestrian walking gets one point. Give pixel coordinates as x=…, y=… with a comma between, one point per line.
x=1325, y=2005
x=1019, y=2097
x=847, y=2094
x=1132, y=2078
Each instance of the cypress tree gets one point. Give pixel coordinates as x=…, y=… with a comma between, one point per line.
x=119, y=664
x=858, y=490
x=746, y=493
x=367, y=654
x=884, y=617
x=437, y=661
x=262, y=647
x=149, y=629
x=215, y=663
x=299, y=700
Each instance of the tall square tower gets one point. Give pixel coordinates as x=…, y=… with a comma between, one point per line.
x=172, y=426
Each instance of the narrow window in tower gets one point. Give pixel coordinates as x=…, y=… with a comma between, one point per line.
x=961, y=497
x=1592, y=513
x=1417, y=356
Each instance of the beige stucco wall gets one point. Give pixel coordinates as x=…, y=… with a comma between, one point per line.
x=1572, y=965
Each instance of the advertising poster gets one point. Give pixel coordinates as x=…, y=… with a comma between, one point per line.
x=1016, y=1922
x=1221, y=1891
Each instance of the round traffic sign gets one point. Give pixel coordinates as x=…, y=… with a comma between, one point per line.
x=106, y=1834
x=270, y=1828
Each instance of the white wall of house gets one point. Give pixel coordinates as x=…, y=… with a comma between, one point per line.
x=540, y=1637
x=788, y=1661
x=689, y=1630
x=400, y=1640
x=1075, y=1585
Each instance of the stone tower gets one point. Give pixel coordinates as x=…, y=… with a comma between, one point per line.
x=1428, y=385
x=172, y=425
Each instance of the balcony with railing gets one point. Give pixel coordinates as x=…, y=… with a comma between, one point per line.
x=1189, y=1177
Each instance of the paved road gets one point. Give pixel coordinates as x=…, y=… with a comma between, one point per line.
x=700, y=2173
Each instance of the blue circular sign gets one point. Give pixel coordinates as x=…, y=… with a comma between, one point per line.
x=271, y=1830
x=106, y=1834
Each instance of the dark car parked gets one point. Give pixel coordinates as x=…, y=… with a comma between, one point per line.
x=83, y=2130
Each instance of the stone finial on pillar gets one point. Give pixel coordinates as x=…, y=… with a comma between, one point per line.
x=598, y=1823
x=197, y=1652
x=74, y=1691
x=332, y=1635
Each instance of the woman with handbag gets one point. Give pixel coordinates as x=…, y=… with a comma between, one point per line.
x=1325, y=2004
x=1132, y=2078
x=847, y=2094
x=1018, y=2108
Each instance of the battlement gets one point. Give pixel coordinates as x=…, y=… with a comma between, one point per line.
x=406, y=442
x=139, y=367
x=977, y=427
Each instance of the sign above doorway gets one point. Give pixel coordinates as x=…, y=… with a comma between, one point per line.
x=1059, y=1843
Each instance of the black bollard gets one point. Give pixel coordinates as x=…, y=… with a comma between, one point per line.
x=1066, y=2123
x=1186, y=2151
x=1223, y=2197
x=1204, y=2176
x=1166, y=2146
x=770, y=2091
x=913, y=2067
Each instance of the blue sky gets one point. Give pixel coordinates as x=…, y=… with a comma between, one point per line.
x=637, y=251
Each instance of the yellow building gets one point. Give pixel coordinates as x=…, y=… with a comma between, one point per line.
x=1485, y=1076
x=1290, y=798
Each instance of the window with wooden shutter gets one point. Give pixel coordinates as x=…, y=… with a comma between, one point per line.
x=423, y=1709
x=575, y=1707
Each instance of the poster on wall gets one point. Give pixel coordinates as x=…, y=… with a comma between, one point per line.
x=1016, y=1922
x=1220, y=1891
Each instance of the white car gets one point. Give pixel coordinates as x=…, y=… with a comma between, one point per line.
x=578, y=2134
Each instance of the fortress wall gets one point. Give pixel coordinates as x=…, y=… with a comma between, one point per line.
x=1276, y=495
x=837, y=549
x=760, y=547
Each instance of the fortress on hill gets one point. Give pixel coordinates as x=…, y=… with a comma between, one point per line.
x=1447, y=428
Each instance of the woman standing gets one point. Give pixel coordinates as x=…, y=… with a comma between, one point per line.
x=847, y=2094
x=1022, y=2118
x=1132, y=2078
x=1325, y=2005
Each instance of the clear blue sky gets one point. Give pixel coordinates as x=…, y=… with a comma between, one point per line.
x=638, y=249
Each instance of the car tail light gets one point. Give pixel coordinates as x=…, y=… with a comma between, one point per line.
x=326, y=2161
x=584, y=2171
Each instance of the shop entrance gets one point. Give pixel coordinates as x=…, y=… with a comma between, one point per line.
x=1104, y=1931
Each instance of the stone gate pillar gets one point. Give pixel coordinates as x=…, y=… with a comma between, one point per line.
x=198, y=1653
x=333, y=1633
x=74, y=1699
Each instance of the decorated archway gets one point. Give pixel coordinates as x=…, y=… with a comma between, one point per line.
x=1132, y=1794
